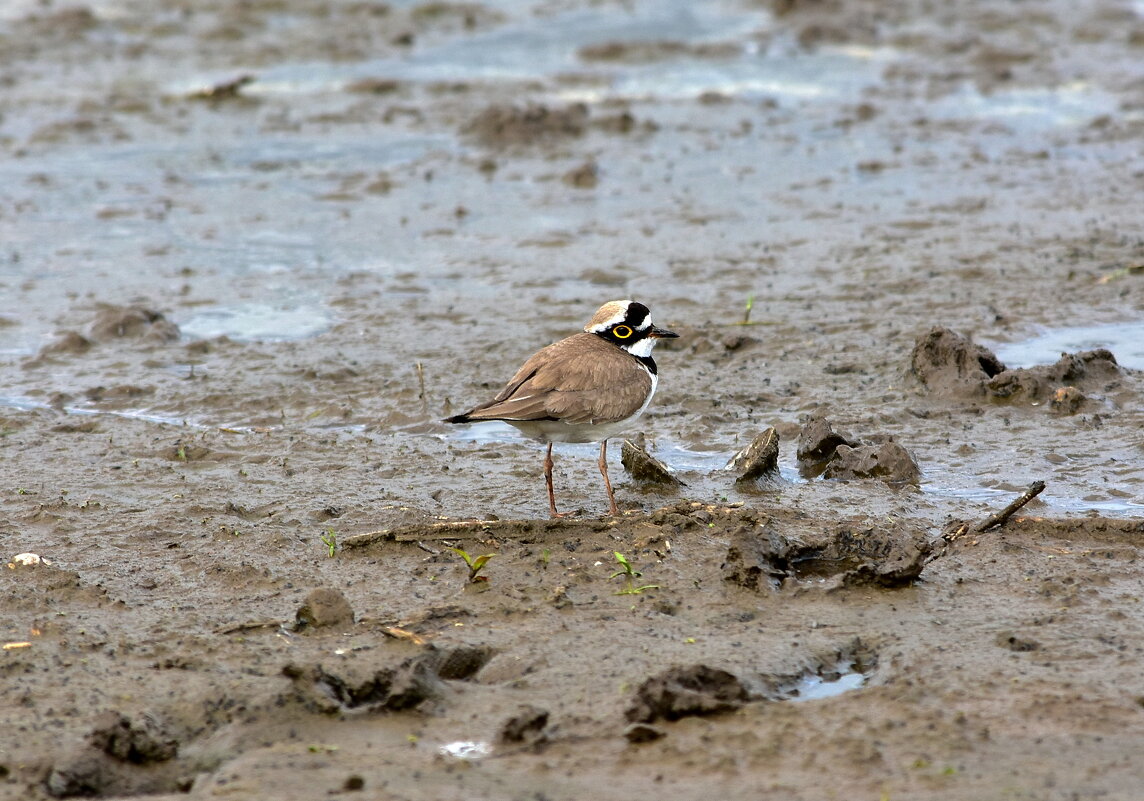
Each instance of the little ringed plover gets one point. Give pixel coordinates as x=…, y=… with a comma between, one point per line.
x=585, y=388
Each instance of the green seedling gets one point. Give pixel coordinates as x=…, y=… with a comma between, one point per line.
x=630, y=575
x=330, y=540
x=475, y=563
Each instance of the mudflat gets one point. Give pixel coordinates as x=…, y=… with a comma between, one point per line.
x=253, y=253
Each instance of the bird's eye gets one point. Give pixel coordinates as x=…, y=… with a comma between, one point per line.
x=621, y=332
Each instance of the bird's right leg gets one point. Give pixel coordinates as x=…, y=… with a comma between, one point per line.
x=548, y=482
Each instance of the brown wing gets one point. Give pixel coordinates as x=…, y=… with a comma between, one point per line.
x=581, y=379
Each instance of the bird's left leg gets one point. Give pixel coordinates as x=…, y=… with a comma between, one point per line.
x=603, y=463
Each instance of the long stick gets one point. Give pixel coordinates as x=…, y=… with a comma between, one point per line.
x=998, y=519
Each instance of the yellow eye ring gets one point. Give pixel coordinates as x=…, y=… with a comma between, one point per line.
x=622, y=332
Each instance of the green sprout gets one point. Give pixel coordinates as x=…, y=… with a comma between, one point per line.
x=330, y=540
x=630, y=575
x=747, y=312
x=475, y=563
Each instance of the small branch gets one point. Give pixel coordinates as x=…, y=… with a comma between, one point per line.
x=955, y=532
x=998, y=519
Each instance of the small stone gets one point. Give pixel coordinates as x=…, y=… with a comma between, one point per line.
x=324, y=607
x=1067, y=400
x=353, y=783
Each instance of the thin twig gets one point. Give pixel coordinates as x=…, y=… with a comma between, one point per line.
x=998, y=519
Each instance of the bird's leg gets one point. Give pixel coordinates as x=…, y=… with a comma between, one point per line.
x=548, y=482
x=615, y=510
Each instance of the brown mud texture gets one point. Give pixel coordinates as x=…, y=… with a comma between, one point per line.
x=236, y=563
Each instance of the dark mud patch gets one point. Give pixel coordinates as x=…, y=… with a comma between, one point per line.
x=684, y=691
x=889, y=554
x=413, y=681
x=508, y=126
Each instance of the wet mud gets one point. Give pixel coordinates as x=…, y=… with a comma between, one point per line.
x=254, y=253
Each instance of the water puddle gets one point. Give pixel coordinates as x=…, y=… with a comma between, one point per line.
x=829, y=680
x=257, y=322
x=1073, y=104
x=469, y=750
x=24, y=404
x=677, y=457
x=550, y=46
x=814, y=687
x=1125, y=340
x=1054, y=499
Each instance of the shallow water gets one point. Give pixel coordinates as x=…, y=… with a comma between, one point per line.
x=1125, y=340
x=814, y=687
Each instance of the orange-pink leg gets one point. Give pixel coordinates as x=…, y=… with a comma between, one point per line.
x=548, y=483
x=603, y=463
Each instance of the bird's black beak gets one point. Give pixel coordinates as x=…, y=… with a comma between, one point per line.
x=661, y=333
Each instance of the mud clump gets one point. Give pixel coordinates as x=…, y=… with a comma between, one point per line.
x=398, y=688
x=823, y=451
x=138, y=743
x=586, y=176
x=67, y=343
x=324, y=607
x=1095, y=369
x=758, y=460
x=132, y=322
x=643, y=467
x=749, y=563
x=949, y=364
x=683, y=691
x=390, y=689
x=817, y=444
x=527, y=727
x=889, y=461
x=103, y=764
x=850, y=554
x=503, y=126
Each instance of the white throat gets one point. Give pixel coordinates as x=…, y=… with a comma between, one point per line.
x=642, y=349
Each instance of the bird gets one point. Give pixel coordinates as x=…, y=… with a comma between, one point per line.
x=585, y=388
